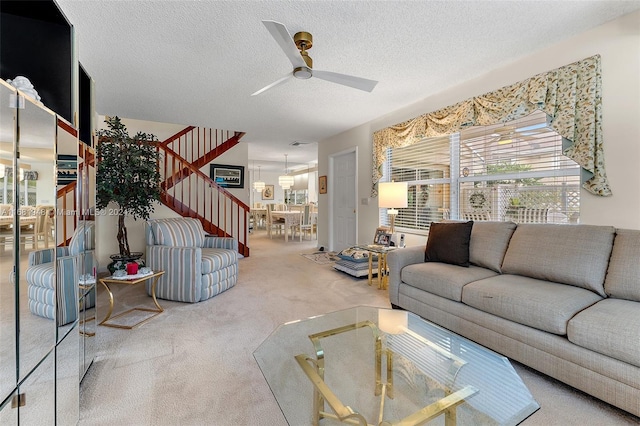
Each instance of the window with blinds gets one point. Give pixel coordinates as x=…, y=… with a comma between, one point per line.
x=426, y=167
x=514, y=171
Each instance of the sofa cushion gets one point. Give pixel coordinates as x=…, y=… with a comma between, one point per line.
x=214, y=259
x=570, y=254
x=539, y=304
x=610, y=327
x=179, y=232
x=442, y=279
x=623, y=275
x=449, y=243
x=489, y=242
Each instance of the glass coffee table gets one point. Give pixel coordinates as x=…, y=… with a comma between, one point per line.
x=371, y=366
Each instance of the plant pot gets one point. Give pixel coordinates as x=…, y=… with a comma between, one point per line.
x=120, y=261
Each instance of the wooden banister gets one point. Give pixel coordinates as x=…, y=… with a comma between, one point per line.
x=191, y=193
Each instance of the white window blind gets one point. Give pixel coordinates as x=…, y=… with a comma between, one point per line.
x=516, y=171
x=426, y=167
x=507, y=172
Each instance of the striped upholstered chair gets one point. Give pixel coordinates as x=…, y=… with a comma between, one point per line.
x=41, y=276
x=197, y=266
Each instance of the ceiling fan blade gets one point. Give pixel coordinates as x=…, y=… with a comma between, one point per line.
x=274, y=84
x=346, y=80
x=285, y=41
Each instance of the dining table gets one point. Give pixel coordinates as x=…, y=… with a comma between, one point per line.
x=291, y=220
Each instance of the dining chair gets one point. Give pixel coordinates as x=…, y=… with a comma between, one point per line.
x=476, y=215
x=28, y=222
x=44, y=225
x=277, y=224
x=306, y=222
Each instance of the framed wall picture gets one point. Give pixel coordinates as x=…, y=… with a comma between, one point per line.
x=267, y=192
x=227, y=176
x=322, y=184
x=67, y=169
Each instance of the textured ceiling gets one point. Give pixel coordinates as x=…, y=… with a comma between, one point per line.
x=198, y=62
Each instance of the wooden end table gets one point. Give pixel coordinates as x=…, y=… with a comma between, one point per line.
x=157, y=311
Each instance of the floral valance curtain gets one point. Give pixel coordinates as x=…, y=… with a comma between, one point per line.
x=570, y=95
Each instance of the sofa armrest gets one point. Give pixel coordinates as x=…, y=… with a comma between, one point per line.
x=211, y=241
x=398, y=259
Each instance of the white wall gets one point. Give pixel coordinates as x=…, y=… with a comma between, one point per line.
x=107, y=224
x=46, y=183
x=269, y=178
x=618, y=42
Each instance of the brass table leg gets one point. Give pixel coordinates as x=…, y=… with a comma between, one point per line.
x=157, y=311
x=370, y=269
x=381, y=268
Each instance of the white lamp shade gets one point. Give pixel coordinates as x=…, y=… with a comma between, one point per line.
x=392, y=195
x=258, y=185
x=285, y=181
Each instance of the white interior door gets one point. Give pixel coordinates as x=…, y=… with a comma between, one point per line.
x=342, y=183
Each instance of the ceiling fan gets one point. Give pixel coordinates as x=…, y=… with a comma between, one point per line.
x=296, y=50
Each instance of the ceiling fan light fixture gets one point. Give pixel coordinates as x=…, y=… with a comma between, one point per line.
x=296, y=49
x=303, y=73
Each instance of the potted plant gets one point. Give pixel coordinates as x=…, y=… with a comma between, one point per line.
x=127, y=175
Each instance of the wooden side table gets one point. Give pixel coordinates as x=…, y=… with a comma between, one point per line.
x=157, y=311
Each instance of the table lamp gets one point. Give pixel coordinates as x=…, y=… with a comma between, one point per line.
x=393, y=196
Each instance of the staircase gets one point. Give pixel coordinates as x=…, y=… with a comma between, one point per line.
x=185, y=189
x=73, y=201
x=191, y=193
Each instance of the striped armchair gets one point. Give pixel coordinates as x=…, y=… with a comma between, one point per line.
x=197, y=266
x=61, y=303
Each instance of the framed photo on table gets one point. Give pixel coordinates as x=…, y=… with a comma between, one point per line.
x=267, y=192
x=382, y=236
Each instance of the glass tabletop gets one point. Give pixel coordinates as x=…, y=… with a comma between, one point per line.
x=375, y=248
x=382, y=366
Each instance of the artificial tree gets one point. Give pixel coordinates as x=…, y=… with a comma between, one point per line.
x=127, y=175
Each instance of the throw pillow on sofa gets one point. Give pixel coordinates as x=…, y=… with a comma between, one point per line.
x=449, y=243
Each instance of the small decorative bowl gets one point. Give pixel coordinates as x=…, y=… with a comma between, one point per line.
x=120, y=273
x=145, y=270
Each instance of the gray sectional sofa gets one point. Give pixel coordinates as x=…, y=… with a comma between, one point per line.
x=562, y=299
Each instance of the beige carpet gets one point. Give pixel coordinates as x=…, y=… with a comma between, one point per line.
x=194, y=365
